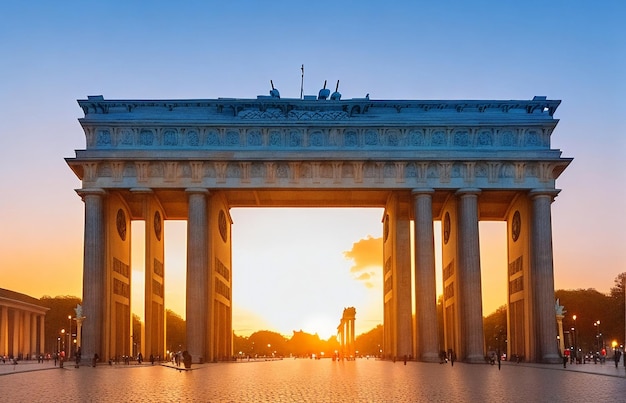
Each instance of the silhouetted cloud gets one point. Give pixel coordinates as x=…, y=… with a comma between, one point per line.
x=367, y=255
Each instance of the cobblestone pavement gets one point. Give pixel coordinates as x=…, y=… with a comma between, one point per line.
x=304, y=380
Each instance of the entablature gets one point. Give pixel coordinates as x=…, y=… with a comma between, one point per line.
x=319, y=174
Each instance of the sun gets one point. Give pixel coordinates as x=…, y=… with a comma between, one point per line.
x=324, y=326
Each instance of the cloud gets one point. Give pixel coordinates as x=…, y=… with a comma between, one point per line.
x=367, y=255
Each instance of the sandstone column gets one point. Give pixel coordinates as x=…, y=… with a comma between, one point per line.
x=352, y=338
x=26, y=333
x=559, y=321
x=33, y=334
x=4, y=330
x=42, y=334
x=543, y=274
x=94, y=274
x=469, y=272
x=17, y=323
x=425, y=283
x=197, y=276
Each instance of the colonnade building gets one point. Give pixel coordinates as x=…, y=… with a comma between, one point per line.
x=454, y=161
x=22, y=325
x=346, y=335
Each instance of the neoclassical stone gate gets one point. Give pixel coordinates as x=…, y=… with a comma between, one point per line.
x=455, y=161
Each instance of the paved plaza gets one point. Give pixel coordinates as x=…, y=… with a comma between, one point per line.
x=303, y=380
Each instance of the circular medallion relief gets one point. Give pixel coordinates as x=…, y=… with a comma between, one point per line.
x=221, y=222
x=516, y=226
x=386, y=228
x=446, y=228
x=120, y=222
x=157, y=225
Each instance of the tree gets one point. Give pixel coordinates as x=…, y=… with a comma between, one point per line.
x=264, y=343
x=57, y=319
x=136, y=335
x=370, y=343
x=175, y=331
x=617, y=291
x=591, y=306
x=495, y=330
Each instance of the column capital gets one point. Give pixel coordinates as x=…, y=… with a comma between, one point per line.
x=90, y=192
x=141, y=190
x=468, y=192
x=203, y=191
x=552, y=193
x=422, y=191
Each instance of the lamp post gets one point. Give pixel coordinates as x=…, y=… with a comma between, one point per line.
x=573, y=355
x=597, y=326
x=62, y=356
x=69, y=338
x=575, y=340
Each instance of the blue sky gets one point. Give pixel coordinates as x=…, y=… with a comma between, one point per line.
x=52, y=53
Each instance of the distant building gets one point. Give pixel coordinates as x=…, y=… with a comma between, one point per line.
x=21, y=325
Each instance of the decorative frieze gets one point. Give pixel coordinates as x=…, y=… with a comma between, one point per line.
x=196, y=171
x=313, y=137
x=170, y=171
x=220, y=171
x=245, y=172
x=321, y=173
x=520, y=172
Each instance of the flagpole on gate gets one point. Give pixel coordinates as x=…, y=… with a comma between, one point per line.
x=302, y=83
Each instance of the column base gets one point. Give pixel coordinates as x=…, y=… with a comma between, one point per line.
x=430, y=357
x=474, y=359
x=551, y=359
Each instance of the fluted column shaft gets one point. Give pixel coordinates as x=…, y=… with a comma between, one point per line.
x=469, y=271
x=197, y=276
x=425, y=279
x=33, y=333
x=4, y=330
x=42, y=334
x=94, y=274
x=352, y=337
x=17, y=327
x=543, y=274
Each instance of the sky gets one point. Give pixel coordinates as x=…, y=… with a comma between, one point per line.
x=320, y=261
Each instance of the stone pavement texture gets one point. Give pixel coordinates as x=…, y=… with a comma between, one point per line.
x=305, y=380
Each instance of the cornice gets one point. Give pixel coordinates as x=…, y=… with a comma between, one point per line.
x=268, y=108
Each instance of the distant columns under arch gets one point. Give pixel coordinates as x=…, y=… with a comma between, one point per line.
x=346, y=334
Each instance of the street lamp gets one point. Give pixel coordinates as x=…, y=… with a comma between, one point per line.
x=573, y=355
x=597, y=326
x=69, y=338
x=575, y=340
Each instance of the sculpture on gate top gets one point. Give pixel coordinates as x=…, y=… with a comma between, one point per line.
x=559, y=308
